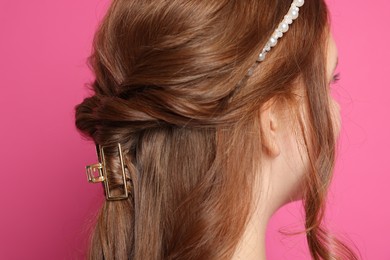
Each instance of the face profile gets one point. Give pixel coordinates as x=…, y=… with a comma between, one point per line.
x=286, y=160
x=290, y=143
x=331, y=68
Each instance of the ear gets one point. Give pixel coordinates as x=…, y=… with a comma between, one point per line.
x=269, y=129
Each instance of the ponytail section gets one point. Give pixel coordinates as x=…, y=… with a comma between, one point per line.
x=113, y=236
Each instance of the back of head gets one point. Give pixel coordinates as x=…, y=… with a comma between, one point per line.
x=169, y=88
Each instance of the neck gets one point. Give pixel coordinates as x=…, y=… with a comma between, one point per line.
x=252, y=245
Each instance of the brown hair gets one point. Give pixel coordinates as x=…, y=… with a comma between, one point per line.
x=167, y=89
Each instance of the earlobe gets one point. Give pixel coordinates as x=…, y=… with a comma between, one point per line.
x=269, y=128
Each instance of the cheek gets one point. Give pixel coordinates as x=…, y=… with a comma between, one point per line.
x=336, y=117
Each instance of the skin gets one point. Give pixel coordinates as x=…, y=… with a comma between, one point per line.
x=282, y=168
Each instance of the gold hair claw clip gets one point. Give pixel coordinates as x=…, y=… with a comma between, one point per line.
x=102, y=173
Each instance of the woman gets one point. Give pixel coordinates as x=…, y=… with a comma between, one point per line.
x=207, y=120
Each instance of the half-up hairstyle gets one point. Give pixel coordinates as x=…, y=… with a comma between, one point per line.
x=166, y=89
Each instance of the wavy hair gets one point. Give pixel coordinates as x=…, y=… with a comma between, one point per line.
x=166, y=88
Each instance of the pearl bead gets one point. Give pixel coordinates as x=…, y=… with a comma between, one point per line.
x=283, y=27
x=299, y=3
x=293, y=13
x=293, y=8
x=288, y=19
x=261, y=56
x=273, y=41
x=267, y=47
x=277, y=34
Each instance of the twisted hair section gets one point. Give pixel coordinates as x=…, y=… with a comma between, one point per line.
x=166, y=88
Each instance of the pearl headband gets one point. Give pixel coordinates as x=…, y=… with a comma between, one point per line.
x=283, y=27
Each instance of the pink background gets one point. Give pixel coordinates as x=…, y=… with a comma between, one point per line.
x=46, y=202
